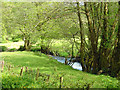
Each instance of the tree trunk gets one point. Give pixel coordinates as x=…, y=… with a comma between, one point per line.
x=82, y=37
x=104, y=42
x=92, y=36
x=72, y=50
x=27, y=43
x=116, y=61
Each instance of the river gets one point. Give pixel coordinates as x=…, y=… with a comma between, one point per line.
x=76, y=65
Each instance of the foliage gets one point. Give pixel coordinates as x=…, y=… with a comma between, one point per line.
x=22, y=48
x=13, y=49
x=3, y=48
x=34, y=49
x=16, y=38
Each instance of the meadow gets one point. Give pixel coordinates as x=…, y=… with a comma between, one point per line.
x=48, y=67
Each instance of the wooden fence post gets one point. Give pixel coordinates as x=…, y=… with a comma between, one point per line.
x=66, y=62
x=55, y=69
x=31, y=71
x=9, y=67
x=26, y=69
x=61, y=81
x=2, y=66
x=37, y=74
x=88, y=87
x=48, y=77
x=21, y=72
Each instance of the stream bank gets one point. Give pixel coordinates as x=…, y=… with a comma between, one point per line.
x=76, y=65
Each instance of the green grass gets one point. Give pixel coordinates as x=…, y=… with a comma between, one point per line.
x=72, y=78
x=11, y=45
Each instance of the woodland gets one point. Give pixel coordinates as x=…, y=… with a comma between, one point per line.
x=89, y=32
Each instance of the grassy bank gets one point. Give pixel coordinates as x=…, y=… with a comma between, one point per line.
x=47, y=67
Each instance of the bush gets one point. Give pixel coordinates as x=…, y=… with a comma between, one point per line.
x=13, y=49
x=45, y=49
x=22, y=48
x=3, y=48
x=35, y=49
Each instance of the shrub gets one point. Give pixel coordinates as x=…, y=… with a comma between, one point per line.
x=35, y=49
x=13, y=49
x=22, y=48
x=45, y=49
x=3, y=48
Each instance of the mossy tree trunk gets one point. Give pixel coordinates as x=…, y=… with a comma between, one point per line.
x=82, y=37
x=116, y=55
x=104, y=40
x=93, y=34
x=27, y=43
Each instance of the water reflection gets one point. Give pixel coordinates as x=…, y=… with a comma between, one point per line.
x=76, y=65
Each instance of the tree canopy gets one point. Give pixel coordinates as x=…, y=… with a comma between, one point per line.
x=93, y=28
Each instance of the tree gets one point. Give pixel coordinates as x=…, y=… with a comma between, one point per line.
x=81, y=36
x=28, y=19
x=116, y=55
x=91, y=28
x=98, y=25
x=22, y=20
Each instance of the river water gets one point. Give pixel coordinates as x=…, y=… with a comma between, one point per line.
x=76, y=65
